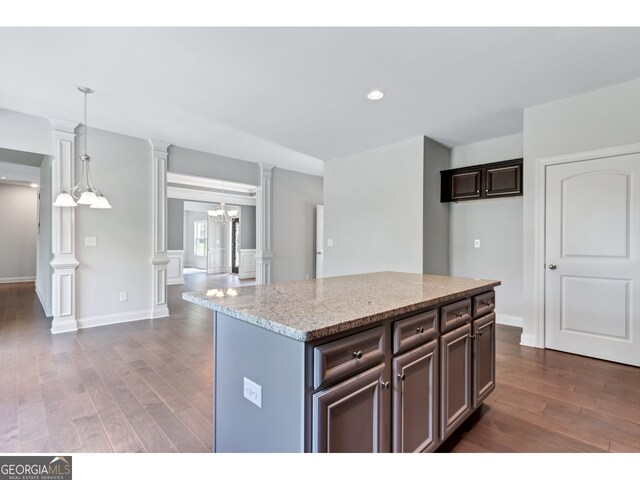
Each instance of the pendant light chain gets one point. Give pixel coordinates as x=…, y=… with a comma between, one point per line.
x=85, y=123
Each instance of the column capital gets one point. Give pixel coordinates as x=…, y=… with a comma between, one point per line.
x=62, y=125
x=159, y=146
x=265, y=168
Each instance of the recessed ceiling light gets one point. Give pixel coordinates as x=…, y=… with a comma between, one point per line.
x=34, y=185
x=375, y=95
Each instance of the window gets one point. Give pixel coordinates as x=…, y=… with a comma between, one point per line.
x=200, y=238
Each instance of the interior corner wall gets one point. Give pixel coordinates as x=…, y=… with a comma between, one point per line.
x=121, y=260
x=247, y=226
x=44, y=271
x=435, y=220
x=19, y=220
x=209, y=165
x=373, y=210
x=27, y=133
x=295, y=196
x=497, y=223
x=600, y=119
x=175, y=224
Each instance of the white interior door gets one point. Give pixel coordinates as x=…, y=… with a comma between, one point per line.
x=319, y=241
x=592, y=274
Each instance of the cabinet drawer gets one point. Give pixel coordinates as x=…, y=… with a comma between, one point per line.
x=415, y=330
x=454, y=315
x=484, y=303
x=336, y=360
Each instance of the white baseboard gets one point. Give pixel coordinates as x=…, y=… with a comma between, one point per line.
x=246, y=276
x=160, y=312
x=511, y=320
x=17, y=279
x=175, y=281
x=64, y=326
x=45, y=308
x=528, y=340
x=112, y=319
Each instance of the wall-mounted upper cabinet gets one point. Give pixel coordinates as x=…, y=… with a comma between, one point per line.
x=500, y=179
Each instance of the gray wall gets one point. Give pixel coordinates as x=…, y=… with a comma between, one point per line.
x=43, y=269
x=121, y=169
x=295, y=196
x=435, y=226
x=191, y=260
x=18, y=217
x=373, y=210
x=175, y=224
x=247, y=226
x=604, y=118
x=497, y=223
x=209, y=165
x=27, y=133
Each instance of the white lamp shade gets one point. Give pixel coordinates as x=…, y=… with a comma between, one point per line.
x=212, y=213
x=233, y=213
x=101, y=202
x=87, y=198
x=64, y=200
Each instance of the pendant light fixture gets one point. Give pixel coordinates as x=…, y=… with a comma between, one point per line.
x=87, y=194
x=221, y=215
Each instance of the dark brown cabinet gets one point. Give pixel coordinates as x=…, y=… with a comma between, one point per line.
x=455, y=378
x=415, y=417
x=490, y=180
x=484, y=357
x=351, y=416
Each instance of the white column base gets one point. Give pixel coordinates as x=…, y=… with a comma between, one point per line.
x=63, y=290
x=263, y=267
x=160, y=308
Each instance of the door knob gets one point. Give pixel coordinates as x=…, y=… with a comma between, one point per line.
x=553, y=266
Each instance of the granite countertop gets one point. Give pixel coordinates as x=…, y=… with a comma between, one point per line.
x=311, y=309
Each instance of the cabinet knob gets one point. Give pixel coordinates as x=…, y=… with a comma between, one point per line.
x=386, y=385
x=479, y=333
x=401, y=377
x=459, y=314
x=357, y=355
x=420, y=330
x=472, y=336
x=486, y=303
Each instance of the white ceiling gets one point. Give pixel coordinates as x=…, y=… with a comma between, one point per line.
x=296, y=96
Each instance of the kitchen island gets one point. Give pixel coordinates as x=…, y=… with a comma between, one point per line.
x=380, y=362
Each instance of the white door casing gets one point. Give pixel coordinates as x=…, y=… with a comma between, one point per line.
x=319, y=241
x=592, y=264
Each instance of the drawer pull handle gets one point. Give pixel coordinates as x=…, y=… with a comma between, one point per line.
x=420, y=330
x=486, y=303
x=401, y=377
x=459, y=314
x=386, y=385
x=357, y=355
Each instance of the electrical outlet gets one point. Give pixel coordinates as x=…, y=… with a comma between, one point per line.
x=90, y=241
x=476, y=243
x=306, y=277
x=123, y=296
x=330, y=242
x=253, y=392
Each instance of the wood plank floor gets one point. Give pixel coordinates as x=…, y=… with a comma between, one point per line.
x=147, y=387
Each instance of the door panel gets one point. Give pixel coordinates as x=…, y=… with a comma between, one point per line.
x=455, y=378
x=484, y=358
x=415, y=396
x=319, y=241
x=592, y=240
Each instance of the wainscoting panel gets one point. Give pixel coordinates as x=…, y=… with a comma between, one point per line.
x=218, y=261
x=175, y=267
x=247, y=263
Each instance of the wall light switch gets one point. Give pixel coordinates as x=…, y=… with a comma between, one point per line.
x=90, y=241
x=330, y=242
x=123, y=296
x=476, y=243
x=253, y=392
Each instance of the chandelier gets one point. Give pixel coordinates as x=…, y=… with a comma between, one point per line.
x=221, y=215
x=86, y=194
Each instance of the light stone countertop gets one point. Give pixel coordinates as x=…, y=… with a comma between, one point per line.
x=311, y=309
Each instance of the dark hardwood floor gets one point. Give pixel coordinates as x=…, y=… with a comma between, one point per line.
x=147, y=386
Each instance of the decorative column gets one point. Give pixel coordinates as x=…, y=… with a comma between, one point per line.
x=264, y=201
x=63, y=230
x=160, y=259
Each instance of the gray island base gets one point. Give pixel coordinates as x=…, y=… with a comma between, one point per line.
x=380, y=362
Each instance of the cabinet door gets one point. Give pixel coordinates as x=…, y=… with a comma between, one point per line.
x=504, y=181
x=351, y=416
x=484, y=358
x=455, y=378
x=415, y=398
x=465, y=185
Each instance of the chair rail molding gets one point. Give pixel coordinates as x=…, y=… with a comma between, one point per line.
x=63, y=230
x=264, y=222
x=160, y=259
